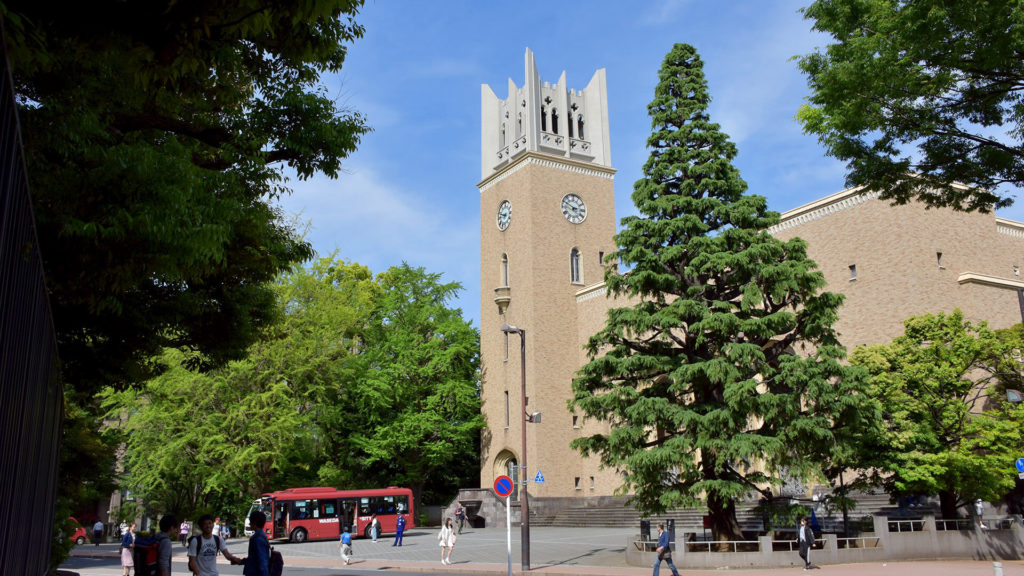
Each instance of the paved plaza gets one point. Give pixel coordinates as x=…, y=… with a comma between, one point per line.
x=555, y=551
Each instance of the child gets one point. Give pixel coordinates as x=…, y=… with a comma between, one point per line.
x=345, y=545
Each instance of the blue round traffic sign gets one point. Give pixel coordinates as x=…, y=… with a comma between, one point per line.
x=1020, y=465
x=503, y=486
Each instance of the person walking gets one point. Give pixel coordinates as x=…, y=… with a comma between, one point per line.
x=128, y=549
x=460, y=516
x=399, y=529
x=664, y=551
x=97, y=532
x=257, y=563
x=345, y=545
x=374, y=528
x=446, y=538
x=164, y=547
x=203, y=549
x=183, y=531
x=979, y=509
x=805, y=536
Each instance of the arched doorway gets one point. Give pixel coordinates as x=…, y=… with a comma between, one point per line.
x=506, y=463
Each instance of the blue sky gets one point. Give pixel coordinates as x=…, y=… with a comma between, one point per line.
x=409, y=193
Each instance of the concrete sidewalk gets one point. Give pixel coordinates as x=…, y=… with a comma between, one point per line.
x=554, y=551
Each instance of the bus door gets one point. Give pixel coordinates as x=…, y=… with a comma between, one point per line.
x=280, y=519
x=326, y=515
x=347, y=514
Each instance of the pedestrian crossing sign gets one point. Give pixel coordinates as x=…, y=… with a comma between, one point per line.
x=539, y=478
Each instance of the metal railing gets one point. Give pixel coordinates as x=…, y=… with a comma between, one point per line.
x=906, y=525
x=794, y=544
x=950, y=524
x=859, y=542
x=723, y=546
x=31, y=397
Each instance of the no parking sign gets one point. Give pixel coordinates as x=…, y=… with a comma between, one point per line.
x=503, y=486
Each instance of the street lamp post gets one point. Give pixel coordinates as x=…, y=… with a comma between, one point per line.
x=525, y=523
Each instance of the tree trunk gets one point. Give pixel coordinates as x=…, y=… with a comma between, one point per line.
x=723, y=519
x=947, y=504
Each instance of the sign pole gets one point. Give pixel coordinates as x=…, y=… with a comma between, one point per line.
x=508, y=531
x=503, y=487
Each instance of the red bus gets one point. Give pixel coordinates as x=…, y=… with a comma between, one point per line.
x=300, y=514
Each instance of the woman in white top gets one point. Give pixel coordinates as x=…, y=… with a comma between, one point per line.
x=447, y=541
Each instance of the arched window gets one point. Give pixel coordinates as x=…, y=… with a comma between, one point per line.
x=543, y=119
x=570, y=126
x=579, y=127
x=504, y=269
x=574, y=266
x=554, y=120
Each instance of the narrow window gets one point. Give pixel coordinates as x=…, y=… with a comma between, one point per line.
x=938, y=258
x=591, y=482
x=543, y=119
x=574, y=266
x=577, y=482
x=506, y=410
x=519, y=124
x=853, y=272
x=570, y=126
x=506, y=348
x=600, y=257
x=575, y=421
x=554, y=120
x=502, y=143
x=504, y=269
x=579, y=127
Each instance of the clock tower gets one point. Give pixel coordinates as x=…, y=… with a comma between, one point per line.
x=547, y=219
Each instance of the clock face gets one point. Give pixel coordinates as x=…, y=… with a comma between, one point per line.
x=574, y=209
x=504, y=215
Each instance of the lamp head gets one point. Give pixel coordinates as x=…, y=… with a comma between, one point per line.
x=509, y=329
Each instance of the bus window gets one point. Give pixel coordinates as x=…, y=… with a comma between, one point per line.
x=401, y=504
x=302, y=509
x=328, y=509
x=364, y=507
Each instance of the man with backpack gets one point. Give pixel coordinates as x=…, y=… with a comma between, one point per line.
x=203, y=550
x=164, y=548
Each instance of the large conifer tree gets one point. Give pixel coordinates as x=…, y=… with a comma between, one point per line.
x=724, y=373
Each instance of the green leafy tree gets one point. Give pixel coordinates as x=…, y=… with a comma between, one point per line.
x=701, y=384
x=418, y=401
x=198, y=438
x=946, y=434
x=155, y=137
x=929, y=87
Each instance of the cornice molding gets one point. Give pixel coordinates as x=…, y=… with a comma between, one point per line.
x=828, y=205
x=535, y=159
x=590, y=292
x=1010, y=227
x=974, y=278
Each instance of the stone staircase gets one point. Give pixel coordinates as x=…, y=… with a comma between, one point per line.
x=691, y=519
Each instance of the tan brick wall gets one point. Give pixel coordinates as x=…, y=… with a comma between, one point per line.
x=895, y=250
x=538, y=243
x=893, y=247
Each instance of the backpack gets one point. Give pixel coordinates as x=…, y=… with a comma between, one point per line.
x=276, y=562
x=145, y=556
x=199, y=542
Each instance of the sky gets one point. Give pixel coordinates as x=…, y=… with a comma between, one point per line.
x=409, y=193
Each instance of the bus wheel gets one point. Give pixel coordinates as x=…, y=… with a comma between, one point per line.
x=299, y=536
x=366, y=532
